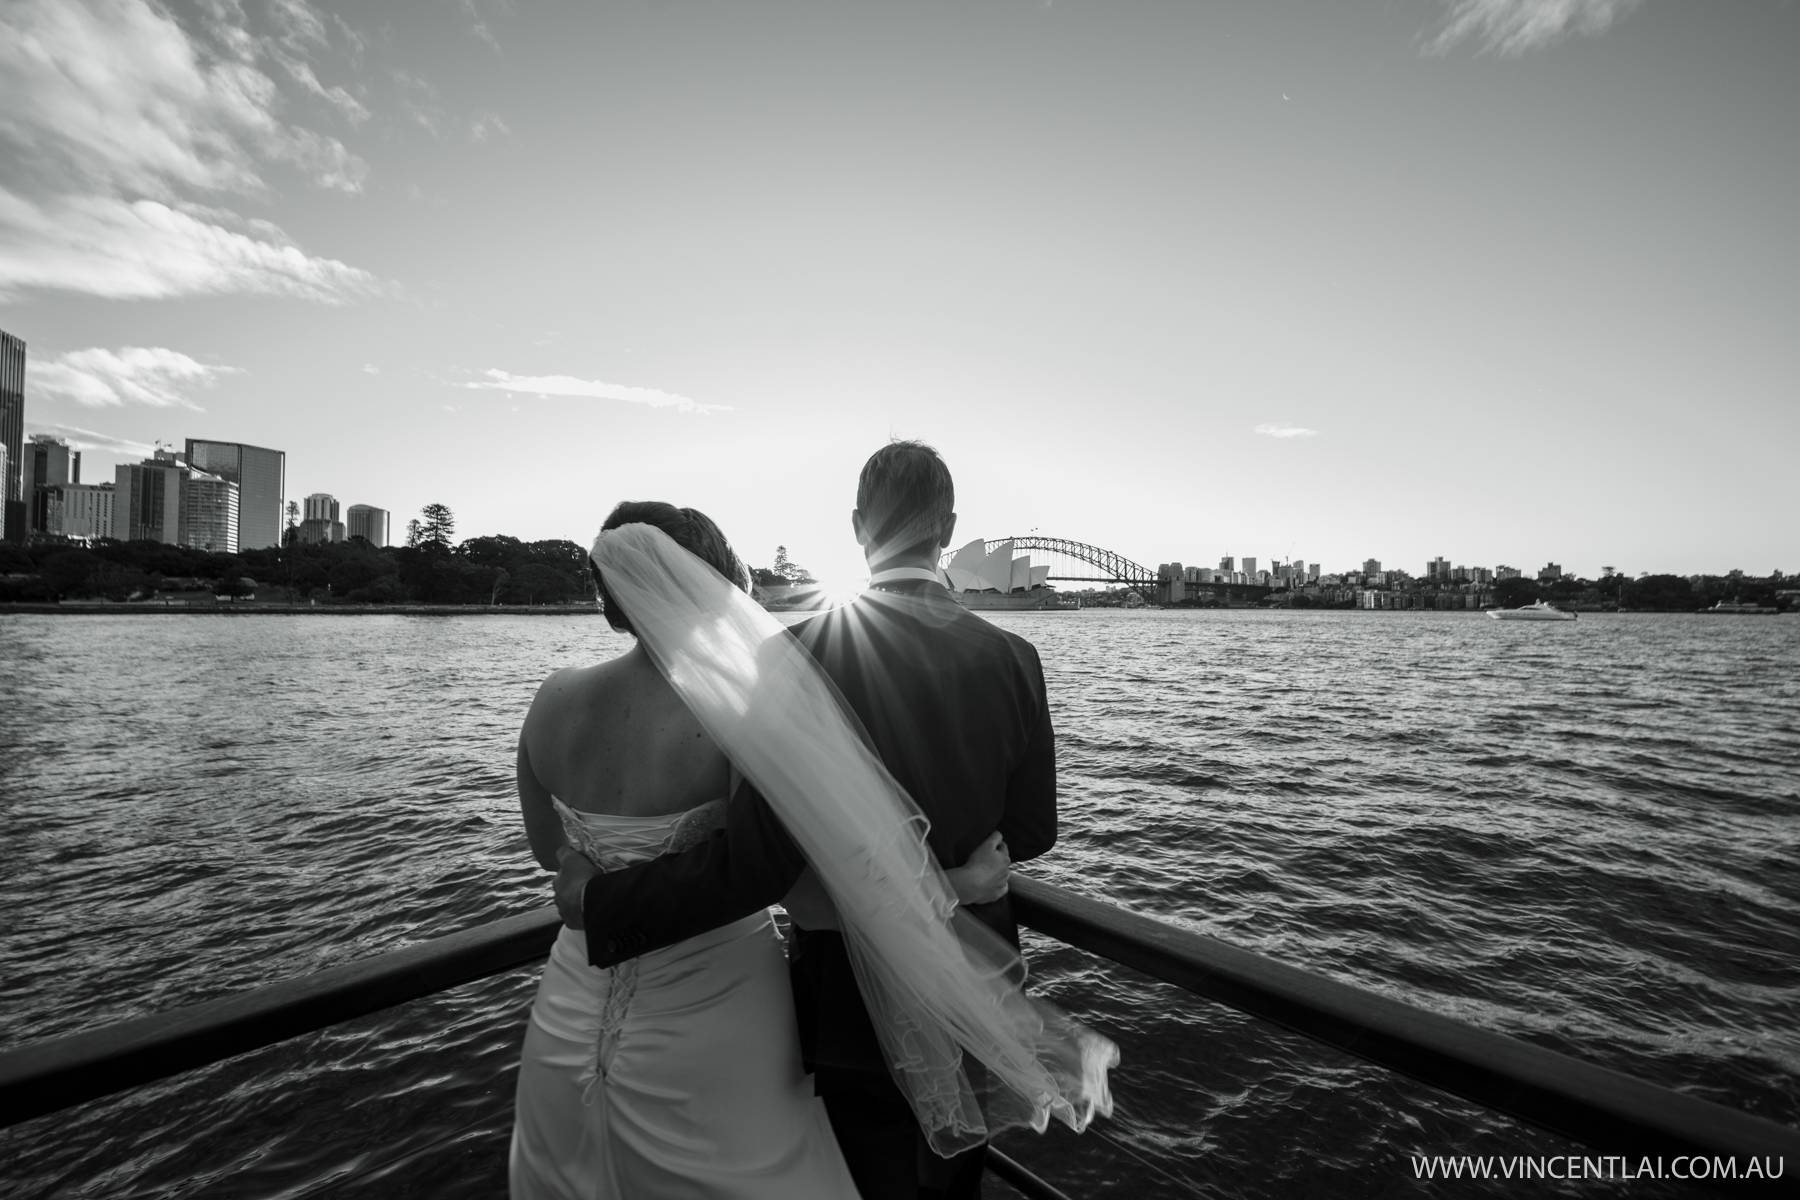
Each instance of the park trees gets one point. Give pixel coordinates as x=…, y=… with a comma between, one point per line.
x=437, y=527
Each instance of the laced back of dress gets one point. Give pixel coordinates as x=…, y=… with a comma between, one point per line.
x=613, y=842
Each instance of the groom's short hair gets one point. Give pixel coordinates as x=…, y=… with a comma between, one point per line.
x=906, y=497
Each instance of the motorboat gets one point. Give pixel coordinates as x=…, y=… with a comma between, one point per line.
x=1541, y=611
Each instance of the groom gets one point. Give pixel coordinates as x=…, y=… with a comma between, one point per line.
x=956, y=709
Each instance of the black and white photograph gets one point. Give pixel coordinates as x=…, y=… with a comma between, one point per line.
x=899, y=599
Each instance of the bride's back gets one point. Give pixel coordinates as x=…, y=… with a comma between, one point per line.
x=615, y=738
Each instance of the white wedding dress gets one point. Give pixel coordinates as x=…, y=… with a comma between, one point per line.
x=675, y=1074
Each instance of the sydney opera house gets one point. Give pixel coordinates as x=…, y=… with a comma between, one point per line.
x=997, y=579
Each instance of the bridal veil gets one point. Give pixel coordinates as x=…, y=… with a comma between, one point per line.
x=936, y=981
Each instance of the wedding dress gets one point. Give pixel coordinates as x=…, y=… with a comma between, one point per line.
x=937, y=983
x=675, y=1074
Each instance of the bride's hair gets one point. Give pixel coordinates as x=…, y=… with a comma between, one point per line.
x=688, y=528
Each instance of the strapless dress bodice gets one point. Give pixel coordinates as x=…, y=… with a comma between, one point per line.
x=613, y=842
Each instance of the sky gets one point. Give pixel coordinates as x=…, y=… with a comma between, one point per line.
x=1507, y=281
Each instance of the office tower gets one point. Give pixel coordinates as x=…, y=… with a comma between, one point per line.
x=78, y=510
x=210, y=508
x=49, y=463
x=367, y=521
x=1312, y=573
x=1228, y=564
x=1371, y=566
x=147, y=500
x=12, y=435
x=162, y=499
x=1250, y=569
x=261, y=477
x=321, y=523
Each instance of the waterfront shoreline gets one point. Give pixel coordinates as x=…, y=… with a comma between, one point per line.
x=296, y=610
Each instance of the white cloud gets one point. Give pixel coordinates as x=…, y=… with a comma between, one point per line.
x=1286, y=431
x=1514, y=26
x=569, y=385
x=487, y=125
x=87, y=439
x=371, y=369
x=115, y=118
x=97, y=377
x=479, y=27
x=145, y=250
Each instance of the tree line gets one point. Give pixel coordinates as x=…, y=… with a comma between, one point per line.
x=431, y=568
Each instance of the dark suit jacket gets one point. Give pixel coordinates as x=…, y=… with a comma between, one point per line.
x=956, y=708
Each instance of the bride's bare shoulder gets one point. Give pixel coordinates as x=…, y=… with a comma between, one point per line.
x=579, y=687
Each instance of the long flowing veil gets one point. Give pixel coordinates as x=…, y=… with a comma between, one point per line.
x=936, y=981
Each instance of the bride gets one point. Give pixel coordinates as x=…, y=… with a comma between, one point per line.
x=678, y=1072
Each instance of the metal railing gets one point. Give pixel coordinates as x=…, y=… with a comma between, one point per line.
x=1612, y=1112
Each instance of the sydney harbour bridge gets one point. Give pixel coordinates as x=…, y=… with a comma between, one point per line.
x=1092, y=566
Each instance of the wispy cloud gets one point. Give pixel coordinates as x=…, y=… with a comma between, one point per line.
x=1286, y=431
x=152, y=375
x=118, y=117
x=1512, y=27
x=146, y=250
x=479, y=26
x=87, y=439
x=487, y=125
x=569, y=385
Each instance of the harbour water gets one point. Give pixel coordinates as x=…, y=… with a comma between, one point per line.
x=1583, y=834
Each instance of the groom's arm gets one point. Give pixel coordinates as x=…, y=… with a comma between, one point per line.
x=745, y=868
x=1028, y=823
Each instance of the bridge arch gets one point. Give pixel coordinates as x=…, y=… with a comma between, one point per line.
x=1109, y=567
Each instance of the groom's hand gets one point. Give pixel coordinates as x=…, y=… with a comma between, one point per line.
x=573, y=870
x=984, y=878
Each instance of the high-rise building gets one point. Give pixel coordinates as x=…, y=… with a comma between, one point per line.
x=1228, y=564
x=1371, y=566
x=321, y=523
x=12, y=437
x=261, y=477
x=48, y=463
x=1438, y=569
x=147, y=500
x=1550, y=573
x=162, y=499
x=1250, y=569
x=78, y=510
x=367, y=521
x=210, y=508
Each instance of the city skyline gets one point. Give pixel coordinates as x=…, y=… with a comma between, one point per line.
x=1336, y=279
x=316, y=519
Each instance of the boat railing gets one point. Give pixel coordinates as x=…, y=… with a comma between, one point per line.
x=1611, y=1112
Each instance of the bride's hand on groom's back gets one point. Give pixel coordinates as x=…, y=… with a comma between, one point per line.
x=573, y=872
x=983, y=878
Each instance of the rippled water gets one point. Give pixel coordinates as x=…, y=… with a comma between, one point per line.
x=1583, y=834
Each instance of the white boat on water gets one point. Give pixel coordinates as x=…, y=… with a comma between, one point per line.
x=1541, y=611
